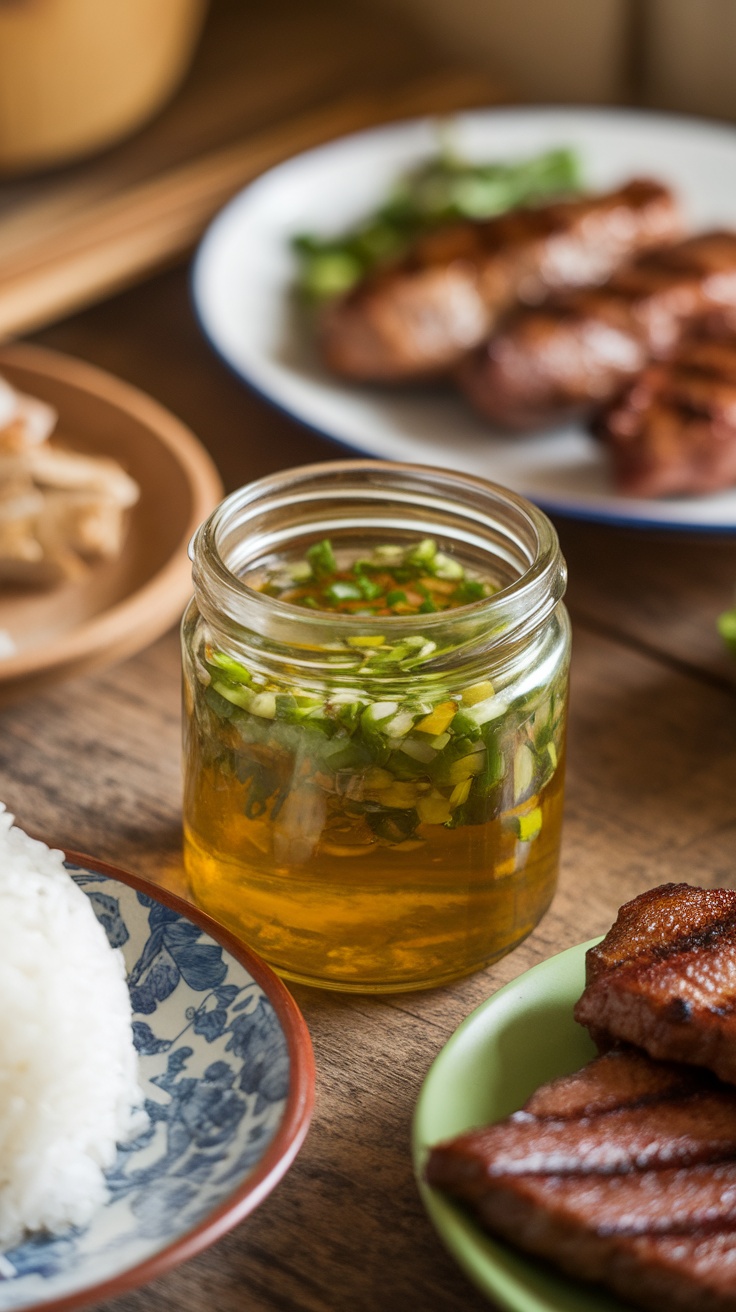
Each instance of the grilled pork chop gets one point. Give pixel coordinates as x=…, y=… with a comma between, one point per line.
x=420, y=316
x=624, y=1173
x=664, y=978
x=578, y=351
x=673, y=430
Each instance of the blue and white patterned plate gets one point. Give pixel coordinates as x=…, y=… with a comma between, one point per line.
x=227, y=1071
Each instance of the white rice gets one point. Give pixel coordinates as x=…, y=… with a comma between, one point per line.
x=68, y=1069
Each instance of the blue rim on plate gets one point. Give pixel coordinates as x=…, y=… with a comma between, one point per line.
x=243, y=272
x=519, y=1038
x=227, y=1070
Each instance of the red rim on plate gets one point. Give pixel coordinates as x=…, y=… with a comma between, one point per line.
x=281, y=1151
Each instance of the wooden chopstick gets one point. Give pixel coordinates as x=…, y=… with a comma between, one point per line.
x=108, y=243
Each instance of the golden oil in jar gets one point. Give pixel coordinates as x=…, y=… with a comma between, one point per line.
x=374, y=752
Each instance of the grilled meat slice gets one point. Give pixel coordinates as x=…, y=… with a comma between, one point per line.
x=684, y=1131
x=621, y=1078
x=664, y=978
x=683, y=1258
x=621, y=1113
x=673, y=430
x=624, y=1173
x=548, y=364
x=580, y=349
x=420, y=316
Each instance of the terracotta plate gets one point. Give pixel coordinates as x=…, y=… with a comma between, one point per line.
x=121, y=606
x=227, y=1071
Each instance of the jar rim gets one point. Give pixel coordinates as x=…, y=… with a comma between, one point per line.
x=535, y=591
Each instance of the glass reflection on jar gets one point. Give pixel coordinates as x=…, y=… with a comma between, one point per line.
x=375, y=683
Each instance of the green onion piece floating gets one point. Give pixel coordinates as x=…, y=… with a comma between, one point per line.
x=727, y=629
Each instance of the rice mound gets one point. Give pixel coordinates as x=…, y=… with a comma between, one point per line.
x=68, y=1068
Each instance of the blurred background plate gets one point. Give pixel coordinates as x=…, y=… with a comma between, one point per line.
x=245, y=269
x=120, y=606
x=227, y=1072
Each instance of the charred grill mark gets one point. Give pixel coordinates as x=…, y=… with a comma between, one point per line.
x=674, y=428
x=704, y=939
x=664, y=978
x=668, y=1134
x=698, y=1226
x=619, y=1078
x=588, y=344
x=632, y=937
x=700, y=939
x=679, y=1009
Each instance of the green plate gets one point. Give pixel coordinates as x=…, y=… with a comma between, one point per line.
x=521, y=1037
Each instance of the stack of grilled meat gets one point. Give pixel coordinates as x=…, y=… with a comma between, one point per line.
x=625, y=1173
x=597, y=306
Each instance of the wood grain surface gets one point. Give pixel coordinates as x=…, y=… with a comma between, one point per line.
x=94, y=764
x=77, y=234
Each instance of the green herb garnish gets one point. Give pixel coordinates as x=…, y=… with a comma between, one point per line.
x=443, y=189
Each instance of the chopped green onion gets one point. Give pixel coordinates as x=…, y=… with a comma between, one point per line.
x=368, y=589
x=321, y=558
x=344, y=592
x=468, y=590
x=422, y=554
x=727, y=629
x=263, y=705
x=528, y=827
x=523, y=771
x=234, y=670
x=237, y=695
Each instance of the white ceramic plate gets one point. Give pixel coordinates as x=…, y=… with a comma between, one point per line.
x=227, y=1072
x=244, y=272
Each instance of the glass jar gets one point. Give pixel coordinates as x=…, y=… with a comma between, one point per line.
x=374, y=802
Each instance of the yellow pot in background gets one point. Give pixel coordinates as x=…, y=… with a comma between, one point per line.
x=76, y=75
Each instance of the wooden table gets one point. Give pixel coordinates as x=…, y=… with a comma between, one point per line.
x=94, y=764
